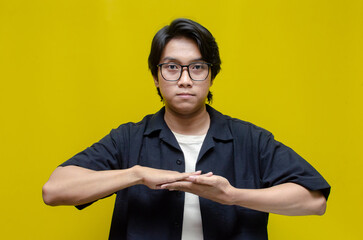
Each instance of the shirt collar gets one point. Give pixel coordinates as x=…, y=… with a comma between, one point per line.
x=156, y=122
x=218, y=129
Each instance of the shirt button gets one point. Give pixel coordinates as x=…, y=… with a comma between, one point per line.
x=179, y=161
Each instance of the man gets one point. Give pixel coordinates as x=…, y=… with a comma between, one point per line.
x=189, y=172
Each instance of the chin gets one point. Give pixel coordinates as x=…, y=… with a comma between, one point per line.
x=186, y=108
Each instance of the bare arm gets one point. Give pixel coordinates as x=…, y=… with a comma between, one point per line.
x=285, y=199
x=72, y=185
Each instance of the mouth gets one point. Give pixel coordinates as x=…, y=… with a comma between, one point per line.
x=185, y=95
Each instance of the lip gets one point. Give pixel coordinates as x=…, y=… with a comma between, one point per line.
x=185, y=95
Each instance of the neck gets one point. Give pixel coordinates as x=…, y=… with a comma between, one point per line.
x=196, y=123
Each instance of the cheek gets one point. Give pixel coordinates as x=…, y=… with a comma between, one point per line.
x=165, y=89
x=207, y=86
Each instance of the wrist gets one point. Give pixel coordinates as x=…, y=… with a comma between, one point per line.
x=232, y=196
x=136, y=173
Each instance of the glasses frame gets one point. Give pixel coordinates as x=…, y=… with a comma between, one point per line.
x=182, y=68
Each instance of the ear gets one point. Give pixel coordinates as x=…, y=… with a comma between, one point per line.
x=156, y=81
x=211, y=82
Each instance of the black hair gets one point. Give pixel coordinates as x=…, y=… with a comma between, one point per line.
x=182, y=27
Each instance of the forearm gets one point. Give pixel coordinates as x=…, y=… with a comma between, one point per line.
x=285, y=199
x=74, y=185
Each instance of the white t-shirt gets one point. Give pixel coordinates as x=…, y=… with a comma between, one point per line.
x=192, y=220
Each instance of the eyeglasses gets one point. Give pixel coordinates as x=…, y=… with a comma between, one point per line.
x=198, y=71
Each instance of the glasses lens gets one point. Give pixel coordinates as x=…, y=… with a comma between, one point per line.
x=198, y=71
x=170, y=71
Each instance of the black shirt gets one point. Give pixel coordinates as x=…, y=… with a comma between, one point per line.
x=248, y=156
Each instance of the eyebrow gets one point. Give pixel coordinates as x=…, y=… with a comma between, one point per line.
x=175, y=59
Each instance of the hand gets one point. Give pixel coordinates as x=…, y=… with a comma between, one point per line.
x=213, y=187
x=154, y=178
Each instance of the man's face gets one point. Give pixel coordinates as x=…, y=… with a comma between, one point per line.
x=184, y=96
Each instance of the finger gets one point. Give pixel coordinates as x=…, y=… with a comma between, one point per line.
x=194, y=178
x=209, y=174
x=170, y=186
x=199, y=172
x=185, y=175
x=157, y=187
x=204, y=180
x=176, y=186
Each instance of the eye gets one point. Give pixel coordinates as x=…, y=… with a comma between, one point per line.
x=198, y=66
x=171, y=66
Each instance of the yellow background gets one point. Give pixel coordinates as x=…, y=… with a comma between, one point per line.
x=71, y=71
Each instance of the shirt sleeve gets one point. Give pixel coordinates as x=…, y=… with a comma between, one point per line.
x=280, y=164
x=102, y=155
x=105, y=154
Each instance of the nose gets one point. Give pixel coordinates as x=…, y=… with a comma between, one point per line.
x=185, y=80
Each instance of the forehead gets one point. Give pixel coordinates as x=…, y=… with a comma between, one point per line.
x=181, y=49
